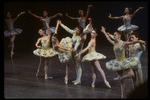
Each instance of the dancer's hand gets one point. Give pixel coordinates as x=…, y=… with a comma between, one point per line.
x=60, y=14
x=103, y=29
x=90, y=19
x=22, y=12
x=141, y=7
x=77, y=55
x=73, y=50
x=109, y=15
x=39, y=47
x=90, y=6
x=142, y=42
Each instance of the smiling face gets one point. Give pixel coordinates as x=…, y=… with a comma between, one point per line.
x=93, y=34
x=41, y=32
x=116, y=36
x=77, y=31
x=133, y=38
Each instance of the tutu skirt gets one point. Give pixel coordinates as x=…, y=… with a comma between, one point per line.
x=14, y=31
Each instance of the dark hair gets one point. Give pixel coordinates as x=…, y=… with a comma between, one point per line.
x=130, y=9
x=136, y=34
x=55, y=35
x=80, y=28
x=42, y=29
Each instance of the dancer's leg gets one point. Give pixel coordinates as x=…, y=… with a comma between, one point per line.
x=140, y=75
x=93, y=73
x=67, y=71
x=12, y=39
x=97, y=64
x=129, y=74
x=40, y=65
x=134, y=79
x=46, y=67
x=123, y=84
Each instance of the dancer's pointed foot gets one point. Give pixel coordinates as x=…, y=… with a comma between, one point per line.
x=77, y=82
x=93, y=85
x=118, y=78
x=46, y=77
x=66, y=80
x=74, y=81
x=11, y=54
x=107, y=84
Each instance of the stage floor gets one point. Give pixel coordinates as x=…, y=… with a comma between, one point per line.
x=20, y=81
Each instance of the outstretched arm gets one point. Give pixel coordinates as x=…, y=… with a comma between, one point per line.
x=59, y=46
x=34, y=15
x=115, y=17
x=18, y=16
x=84, y=50
x=67, y=29
x=138, y=41
x=107, y=36
x=58, y=21
x=73, y=18
x=136, y=11
x=88, y=10
x=51, y=17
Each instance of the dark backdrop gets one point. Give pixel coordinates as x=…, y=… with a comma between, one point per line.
x=30, y=25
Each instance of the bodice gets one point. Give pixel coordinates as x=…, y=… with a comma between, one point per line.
x=44, y=23
x=81, y=23
x=127, y=21
x=45, y=44
x=91, y=49
x=119, y=53
x=9, y=24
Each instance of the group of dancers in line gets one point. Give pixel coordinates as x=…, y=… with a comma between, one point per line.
x=72, y=48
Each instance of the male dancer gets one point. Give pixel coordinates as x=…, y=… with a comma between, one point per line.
x=135, y=50
x=76, y=45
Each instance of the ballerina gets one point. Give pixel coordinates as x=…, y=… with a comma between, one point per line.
x=82, y=21
x=48, y=19
x=93, y=57
x=127, y=27
x=64, y=49
x=12, y=32
x=121, y=63
x=45, y=51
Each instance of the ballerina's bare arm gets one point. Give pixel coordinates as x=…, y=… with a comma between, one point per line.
x=107, y=35
x=18, y=16
x=88, y=10
x=49, y=32
x=138, y=41
x=73, y=18
x=58, y=21
x=51, y=17
x=136, y=12
x=34, y=15
x=38, y=41
x=115, y=17
x=84, y=50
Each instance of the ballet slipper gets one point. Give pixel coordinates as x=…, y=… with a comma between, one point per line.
x=93, y=85
x=46, y=77
x=11, y=54
x=107, y=84
x=77, y=82
x=74, y=81
x=66, y=80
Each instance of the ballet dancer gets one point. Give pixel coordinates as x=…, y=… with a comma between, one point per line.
x=45, y=51
x=64, y=49
x=127, y=27
x=48, y=19
x=76, y=48
x=82, y=22
x=121, y=64
x=135, y=50
x=93, y=57
x=12, y=32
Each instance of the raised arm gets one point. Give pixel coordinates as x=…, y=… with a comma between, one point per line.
x=67, y=29
x=115, y=17
x=88, y=10
x=107, y=36
x=18, y=16
x=136, y=12
x=58, y=21
x=89, y=26
x=51, y=17
x=73, y=18
x=34, y=15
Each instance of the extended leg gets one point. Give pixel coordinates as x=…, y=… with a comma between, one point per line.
x=40, y=65
x=67, y=72
x=46, y=68
x=93, y=73
x=12, y=44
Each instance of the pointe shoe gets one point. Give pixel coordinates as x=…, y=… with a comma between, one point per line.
x=93, y=85
x=66, y=81
x=11, y=54
x=48, y=77
x=107, y=84
x=77, y=82
x=74, y=81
